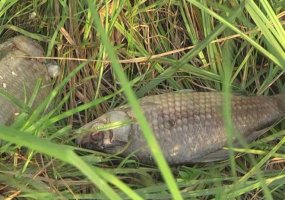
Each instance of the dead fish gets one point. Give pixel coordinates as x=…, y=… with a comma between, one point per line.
x=19, y=74
x=189, y=126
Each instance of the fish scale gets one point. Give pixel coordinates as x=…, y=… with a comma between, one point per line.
x=189, y=126
x=19, y=74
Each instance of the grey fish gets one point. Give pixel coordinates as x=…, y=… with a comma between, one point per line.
x=19, y=74
x=189, y=126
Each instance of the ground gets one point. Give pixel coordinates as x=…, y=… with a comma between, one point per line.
x=158, y=46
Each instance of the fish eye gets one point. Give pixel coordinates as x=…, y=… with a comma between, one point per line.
x=97, y=137
x=101, y=139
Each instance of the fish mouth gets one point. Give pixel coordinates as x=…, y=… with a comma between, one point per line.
x=101, y=143
x=85, y=143
x=114, y=147
x=91, y=146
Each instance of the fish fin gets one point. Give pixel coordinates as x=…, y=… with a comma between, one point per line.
x=147, y=104
x=240, y=93
x=257, y=134
x=223, y=154
x=144, y=104
x=218, y=155
x=186, y=90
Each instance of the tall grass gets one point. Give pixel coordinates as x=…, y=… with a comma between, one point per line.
x=112, y=52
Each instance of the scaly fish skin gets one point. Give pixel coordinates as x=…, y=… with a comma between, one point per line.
x=189, y=126
x=19, y=74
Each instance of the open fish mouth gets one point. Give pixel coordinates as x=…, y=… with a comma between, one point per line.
x=99, y=145
x=114, y=147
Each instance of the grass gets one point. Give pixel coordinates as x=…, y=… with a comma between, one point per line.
x=115, y=51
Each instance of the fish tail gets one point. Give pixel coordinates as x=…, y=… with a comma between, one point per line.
x=281, y=102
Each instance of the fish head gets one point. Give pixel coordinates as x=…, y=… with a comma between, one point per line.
x=108, y=133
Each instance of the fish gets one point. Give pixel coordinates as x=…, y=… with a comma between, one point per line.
x=19, y=73
x=189, y=126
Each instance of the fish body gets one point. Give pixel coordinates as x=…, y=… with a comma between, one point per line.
x=189, y=126
x=19, y=74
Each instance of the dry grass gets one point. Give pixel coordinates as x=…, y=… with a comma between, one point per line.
x=162, y=46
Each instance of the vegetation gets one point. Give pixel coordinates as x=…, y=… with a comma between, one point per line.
x=115, y=51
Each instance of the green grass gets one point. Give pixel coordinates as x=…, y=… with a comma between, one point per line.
x=111, y=53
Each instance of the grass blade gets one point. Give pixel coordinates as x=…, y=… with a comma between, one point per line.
x=148, y=133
